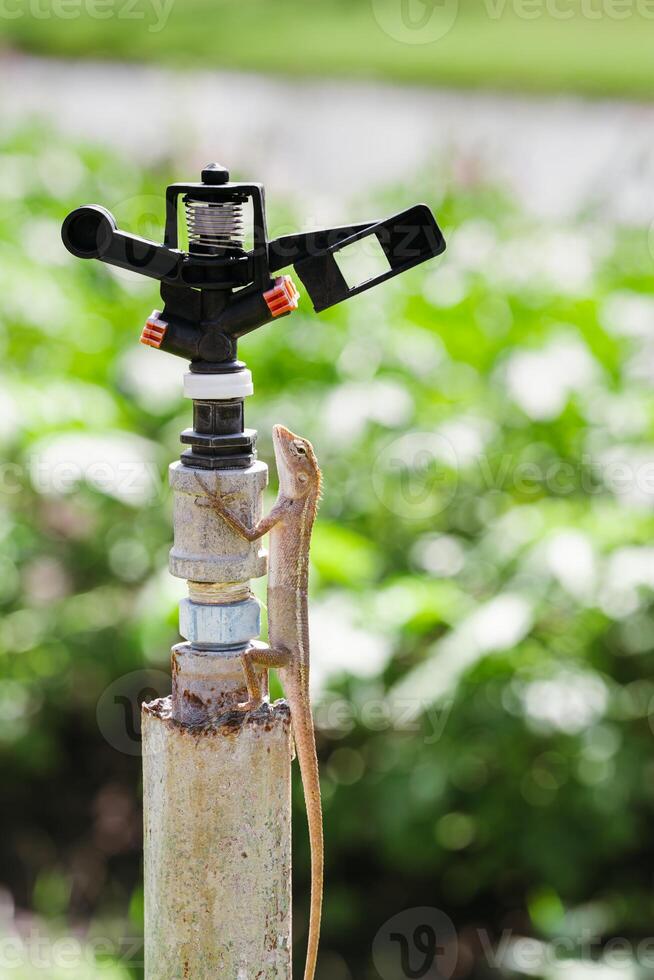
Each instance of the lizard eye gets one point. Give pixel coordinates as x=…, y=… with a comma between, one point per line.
x=299, y=448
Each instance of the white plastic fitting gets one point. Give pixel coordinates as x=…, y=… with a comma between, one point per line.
x=218, y=386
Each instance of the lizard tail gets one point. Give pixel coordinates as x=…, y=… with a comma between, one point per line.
x=305, y=748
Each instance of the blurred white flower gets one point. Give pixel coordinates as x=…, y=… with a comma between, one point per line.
x=468, y=436
x=570, y=557
x=541, y=381
x=623, y=415
x=559, y=259
x=472, y=245
x=568, y=702
x=339, y=644
x=421, y=351
x=496, y=625
x=447, y=286
x=159, y=595
x=628, y=314
x=41, y=238
x=61, y=170
x=153, y=378
x=627, y=571
x=628, y=472
x=439, y=554
x=351, y=406
x=513, y=530
x=120, y=465
x=58, y=403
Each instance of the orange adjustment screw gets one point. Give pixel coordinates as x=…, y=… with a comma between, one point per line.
x=283, y=297
x=154, y=330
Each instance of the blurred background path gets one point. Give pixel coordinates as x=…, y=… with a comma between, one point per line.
x=557, y=155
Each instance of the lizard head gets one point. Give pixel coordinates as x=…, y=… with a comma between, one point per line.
x=297, y=466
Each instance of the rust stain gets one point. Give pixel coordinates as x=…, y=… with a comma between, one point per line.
x=193, y=698
x=227, y=724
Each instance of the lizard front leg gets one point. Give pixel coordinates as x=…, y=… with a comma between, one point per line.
x=264, y=658
x=249, y=533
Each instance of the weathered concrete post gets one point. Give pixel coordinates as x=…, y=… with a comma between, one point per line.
x=217, y=838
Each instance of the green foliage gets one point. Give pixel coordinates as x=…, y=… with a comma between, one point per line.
x=592, y=46
x=483, y=571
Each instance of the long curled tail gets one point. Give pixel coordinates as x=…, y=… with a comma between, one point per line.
x=305, y=747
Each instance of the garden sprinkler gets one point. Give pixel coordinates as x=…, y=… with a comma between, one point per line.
x=227, y=283
x=219, y=289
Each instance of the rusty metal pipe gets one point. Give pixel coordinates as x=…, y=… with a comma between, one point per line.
x=217, y=802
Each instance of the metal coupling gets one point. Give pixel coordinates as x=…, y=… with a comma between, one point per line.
x=205, y=549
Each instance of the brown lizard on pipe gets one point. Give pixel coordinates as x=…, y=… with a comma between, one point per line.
x=290, y=523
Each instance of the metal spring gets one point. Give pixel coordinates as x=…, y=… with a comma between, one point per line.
x=214, y=224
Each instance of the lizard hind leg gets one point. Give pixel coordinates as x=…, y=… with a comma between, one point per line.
x=265, y=657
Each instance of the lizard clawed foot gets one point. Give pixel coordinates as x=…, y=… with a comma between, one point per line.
x=258, y=693
x=209, y=498
x=255, y=699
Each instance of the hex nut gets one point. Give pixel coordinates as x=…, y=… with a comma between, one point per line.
x=220, y=625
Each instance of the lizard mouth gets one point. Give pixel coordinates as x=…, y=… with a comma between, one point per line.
x=282, y=434
x=282, y=439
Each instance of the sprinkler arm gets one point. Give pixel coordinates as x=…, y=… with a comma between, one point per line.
x=407, y=239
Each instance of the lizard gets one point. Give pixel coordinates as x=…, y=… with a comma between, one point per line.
x=290, y=523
